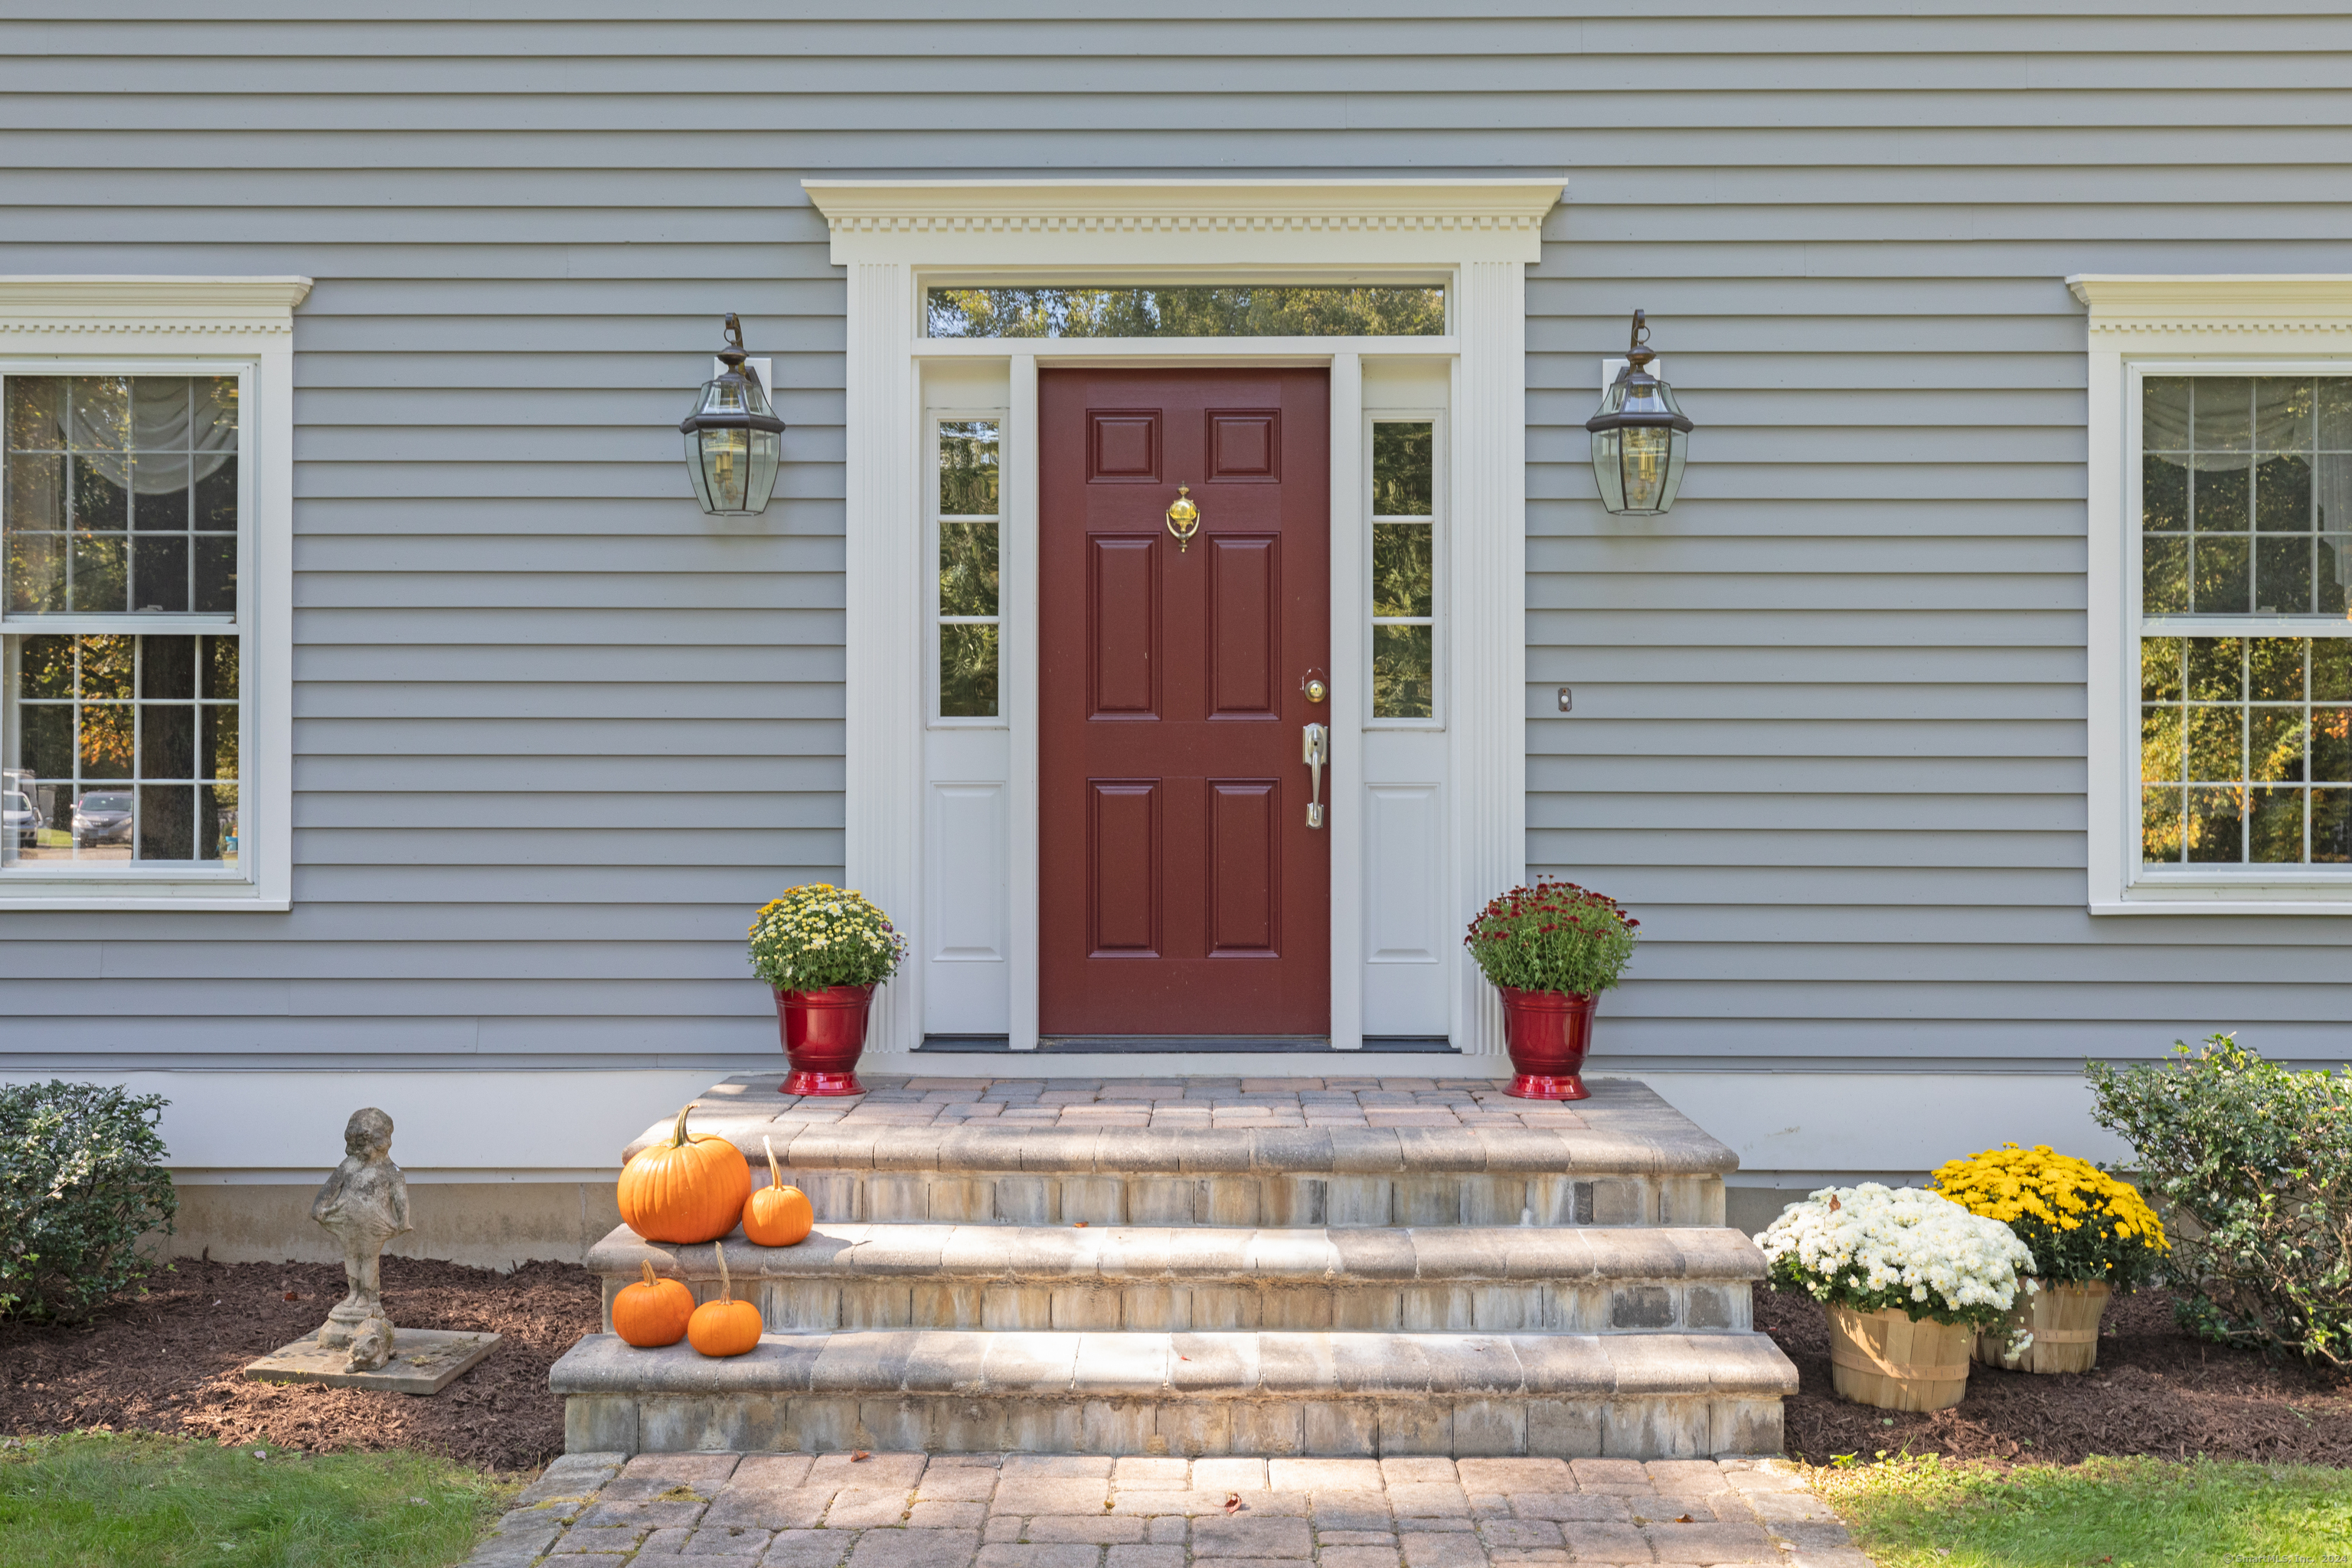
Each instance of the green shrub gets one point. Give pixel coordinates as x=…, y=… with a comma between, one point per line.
x=2258, y=1161
x=81, y=1178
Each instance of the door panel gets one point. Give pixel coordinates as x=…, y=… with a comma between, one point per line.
x=1122, y=623
x=1123, y=445
x=1181, y=891
x=1123, y=834
x=1244, y=865
x=1244, y=627
x=1244, y=446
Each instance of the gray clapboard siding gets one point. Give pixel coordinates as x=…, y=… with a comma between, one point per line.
x=1939, y=670
x=556, y=735
x=1857, y=814
x=821, y=774
x=1957, y=703
x=1683, y=845
x=1706, y=774
x=742, y=888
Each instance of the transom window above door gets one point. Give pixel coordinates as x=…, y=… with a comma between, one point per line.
x=1186, y=311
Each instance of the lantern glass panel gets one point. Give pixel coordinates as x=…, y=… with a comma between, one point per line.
x=1638, y=466
x=1607, y=471
x=733, y=466
x=1645, y=458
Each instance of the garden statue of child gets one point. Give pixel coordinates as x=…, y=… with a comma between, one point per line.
x=366, y=1204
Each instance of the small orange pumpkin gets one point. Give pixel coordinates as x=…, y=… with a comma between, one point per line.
x=777, y=1216
x=686, y=1189
x=652, y=1312
x=725, y=1327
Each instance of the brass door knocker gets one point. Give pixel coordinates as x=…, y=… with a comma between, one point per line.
x=1183, y=520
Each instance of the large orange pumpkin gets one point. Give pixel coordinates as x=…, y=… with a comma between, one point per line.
x=686, y=1189
x=777, y=1216
x=725, y=1327
x=653, y=1311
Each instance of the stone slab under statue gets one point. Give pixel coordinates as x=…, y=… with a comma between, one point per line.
x=366, y=1204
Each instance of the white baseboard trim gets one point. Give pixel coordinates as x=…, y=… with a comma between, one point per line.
x=266, y=1127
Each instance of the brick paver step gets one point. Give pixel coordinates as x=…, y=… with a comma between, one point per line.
x=1657, y=1396
x=1622, y=1158
x=1497, y=1279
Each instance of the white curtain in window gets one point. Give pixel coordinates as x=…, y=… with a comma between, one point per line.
x=180, y=432
x=2282, y=409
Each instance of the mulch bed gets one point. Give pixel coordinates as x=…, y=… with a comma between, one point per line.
x=171, y=1361
x=2156, y=1390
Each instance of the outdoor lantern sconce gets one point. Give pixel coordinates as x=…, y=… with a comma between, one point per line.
x=733, y=439
x=1640, y=437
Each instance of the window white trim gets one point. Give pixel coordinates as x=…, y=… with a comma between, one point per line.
x=184, y=326
x=1476, y=235
x=2246, y=323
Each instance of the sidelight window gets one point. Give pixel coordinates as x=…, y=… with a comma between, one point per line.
x=2245, y=651
x=1404, y=569
x=967, y=517
x=122, y=531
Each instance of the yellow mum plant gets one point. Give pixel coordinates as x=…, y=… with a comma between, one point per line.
x=819, y=935
x=2083, y=1225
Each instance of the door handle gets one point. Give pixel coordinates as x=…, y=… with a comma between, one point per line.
x=1318, y=752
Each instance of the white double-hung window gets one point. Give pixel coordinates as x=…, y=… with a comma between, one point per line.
x=144, y=631
x=2221, y=570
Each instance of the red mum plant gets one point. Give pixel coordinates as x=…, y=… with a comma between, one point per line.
x=1554, y=936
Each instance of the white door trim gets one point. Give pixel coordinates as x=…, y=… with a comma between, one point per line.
x=1477, y=236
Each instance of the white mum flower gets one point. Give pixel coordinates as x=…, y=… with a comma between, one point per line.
x=1875, y=1239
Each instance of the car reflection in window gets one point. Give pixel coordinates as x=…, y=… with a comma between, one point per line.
x=101, y=819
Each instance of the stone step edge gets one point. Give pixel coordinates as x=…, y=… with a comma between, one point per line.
x=1239, y=1365
x=1206, y=1255
x=1208, y=1151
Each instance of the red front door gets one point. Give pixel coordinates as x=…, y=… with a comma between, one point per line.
x=1181, y=889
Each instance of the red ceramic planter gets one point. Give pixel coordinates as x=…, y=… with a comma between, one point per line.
x=824, y=1034
x=1547, y=1033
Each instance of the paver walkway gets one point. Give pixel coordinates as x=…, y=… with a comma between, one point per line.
x=1177, y=1101
x=1021, y=1511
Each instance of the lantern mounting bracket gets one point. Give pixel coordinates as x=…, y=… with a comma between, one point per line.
x=1638, y=353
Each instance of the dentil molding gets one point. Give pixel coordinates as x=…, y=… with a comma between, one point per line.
x=67, y=305
x=2237, y=303
x=1232, y=221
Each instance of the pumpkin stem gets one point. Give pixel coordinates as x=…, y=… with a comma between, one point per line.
x=775, y=1177
x=649, y=1267
x=678, y=1133
x=725, y=1286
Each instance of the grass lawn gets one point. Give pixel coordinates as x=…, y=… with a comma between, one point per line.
x=1921, y=1512
x=94, y=1499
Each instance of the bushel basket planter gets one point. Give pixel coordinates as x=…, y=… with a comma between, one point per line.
x=2064, y=1320
x=1895, y=1362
